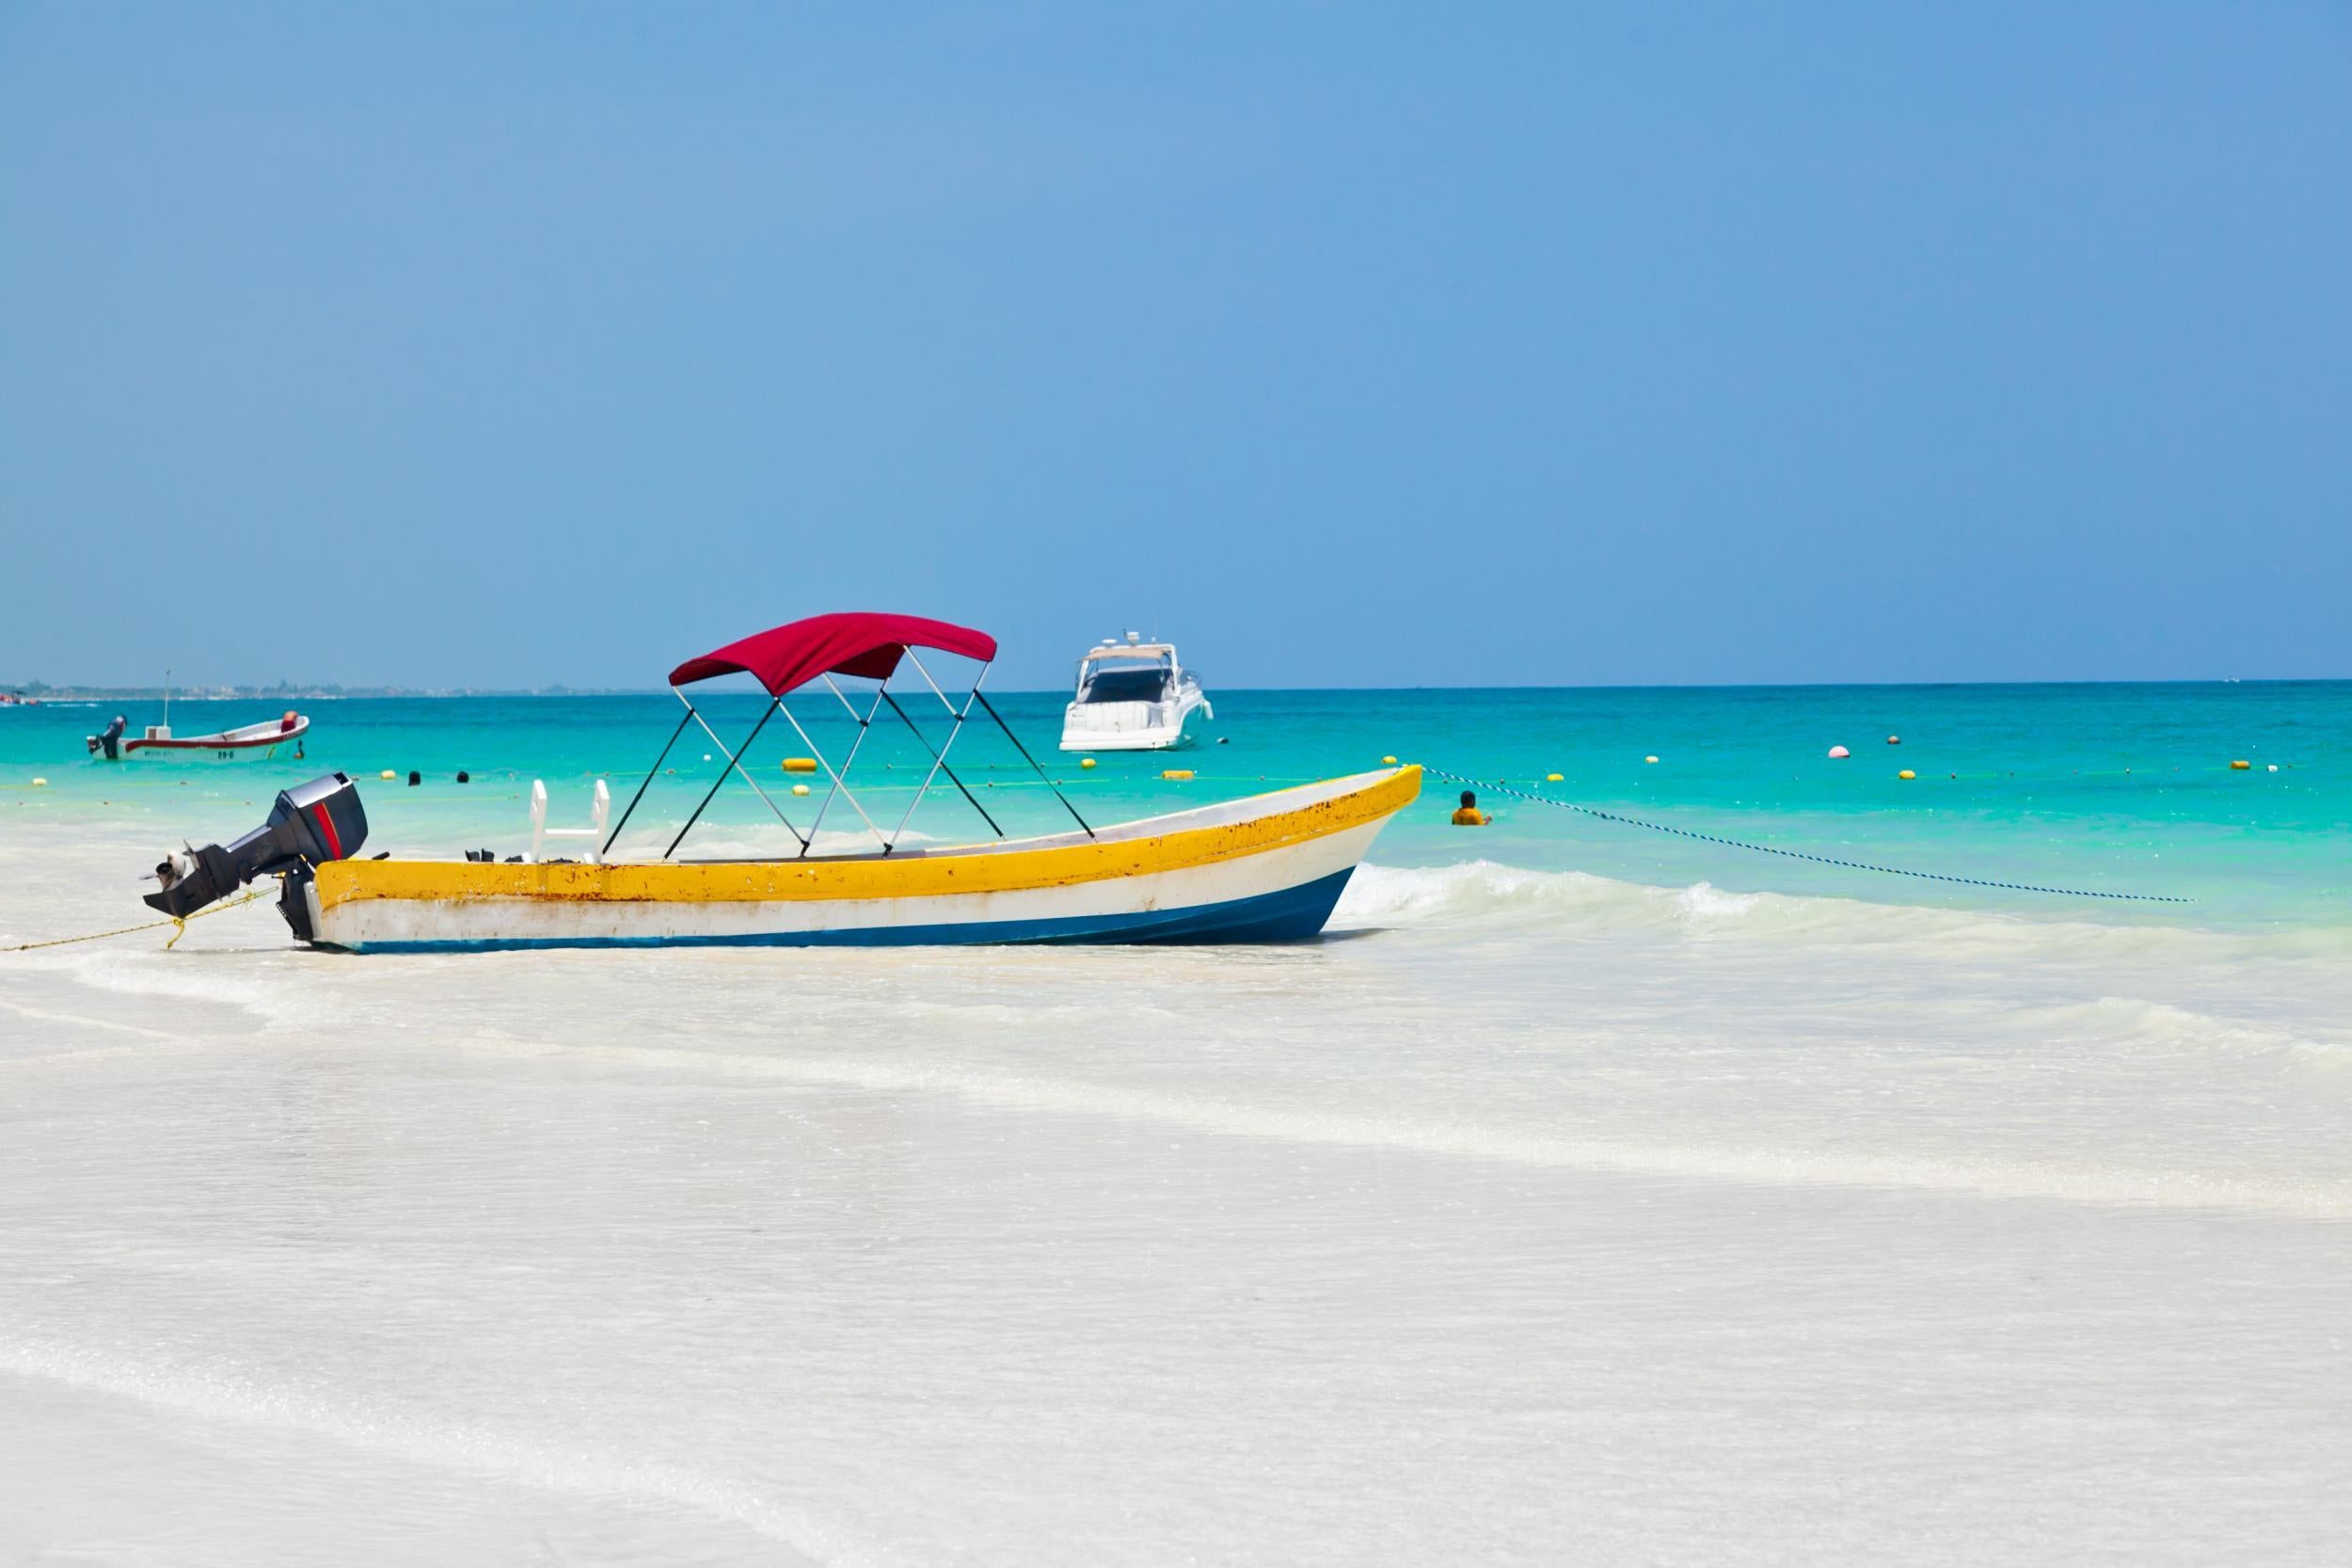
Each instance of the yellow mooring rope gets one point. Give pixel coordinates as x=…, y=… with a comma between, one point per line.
x=153, y=924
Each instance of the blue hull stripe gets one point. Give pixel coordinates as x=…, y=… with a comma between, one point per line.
x=1294, y=914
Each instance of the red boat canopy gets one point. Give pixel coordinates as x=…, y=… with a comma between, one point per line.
x=858, y=642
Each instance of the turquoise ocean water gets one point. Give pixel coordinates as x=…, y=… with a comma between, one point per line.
x=2110, y=788
x=1588, y=1184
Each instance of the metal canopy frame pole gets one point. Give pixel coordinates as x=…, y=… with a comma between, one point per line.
x=939, y=757
x=684, y=720
x=938, y=763
x=991, y=707
x=838, y=788
x=734, y=766
x=865, y=724
x=944, y=702
x=735, y=763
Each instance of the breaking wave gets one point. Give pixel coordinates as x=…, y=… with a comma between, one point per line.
x=2137, y=1023
x=1485, y=890
x=1485, y=894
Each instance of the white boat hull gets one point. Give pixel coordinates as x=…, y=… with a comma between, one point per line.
x=1129, y=727
x=272, y=752
x=264, y=742
x=1261, y=870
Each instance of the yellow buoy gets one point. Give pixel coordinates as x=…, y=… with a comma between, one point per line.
x=1177, y=773
x=1649, y=759
x=1906, y=773
x=2241, y=765
x=800, y=765
x=1552, y=778
x=800, y=789
x=1894, y=741
x=387, y=774
x=1086, y=762
x=1388, y=762
x=41, y=783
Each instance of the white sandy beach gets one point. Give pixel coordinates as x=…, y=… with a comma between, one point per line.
x=1535, y=1216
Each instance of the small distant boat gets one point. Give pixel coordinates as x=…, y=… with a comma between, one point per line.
x=18, y=699
x=263, y=742
x=1132, y=696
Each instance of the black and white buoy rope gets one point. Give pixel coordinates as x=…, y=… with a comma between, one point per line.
x=1796, y=854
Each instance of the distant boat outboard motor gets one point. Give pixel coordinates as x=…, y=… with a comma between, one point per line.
x=311, y=824
x=108, y=740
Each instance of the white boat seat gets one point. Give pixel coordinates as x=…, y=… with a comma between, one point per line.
x=593, y=833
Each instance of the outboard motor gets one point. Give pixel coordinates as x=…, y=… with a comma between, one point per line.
x=108, y=740
x=310, y=825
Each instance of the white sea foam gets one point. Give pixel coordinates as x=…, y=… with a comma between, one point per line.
x=2127, y=1020
x=1377, y=893
x=226, y=1393
x=1572, y=901
x=260, y=987
x=1499, y=1140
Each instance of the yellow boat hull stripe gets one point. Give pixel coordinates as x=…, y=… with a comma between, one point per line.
x=981, y=869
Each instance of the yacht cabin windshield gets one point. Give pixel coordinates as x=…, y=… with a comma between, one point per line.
x=1141, y=679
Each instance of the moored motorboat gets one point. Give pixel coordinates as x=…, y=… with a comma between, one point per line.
x=1266, y=868
x=1132, y=696
x=262, y=742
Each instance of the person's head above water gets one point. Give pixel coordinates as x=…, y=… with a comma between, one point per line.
x=1469, y=796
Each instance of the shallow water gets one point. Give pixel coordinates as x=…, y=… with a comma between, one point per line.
x=1556, y=1204
x=2108, y=789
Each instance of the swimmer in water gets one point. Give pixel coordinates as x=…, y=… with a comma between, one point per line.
x=1470, y=815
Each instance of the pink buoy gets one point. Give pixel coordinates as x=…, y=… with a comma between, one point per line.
x=1839, y=752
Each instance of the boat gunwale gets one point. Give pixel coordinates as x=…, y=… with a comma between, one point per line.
x=1118, y=832
x=1223, y=828
x=225, y=740
x=207, y=743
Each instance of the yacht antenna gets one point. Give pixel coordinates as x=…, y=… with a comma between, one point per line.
x=166, y=697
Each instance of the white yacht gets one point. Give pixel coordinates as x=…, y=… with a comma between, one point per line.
x=1132, y=696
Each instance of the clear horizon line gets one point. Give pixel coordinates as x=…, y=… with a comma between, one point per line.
x=234, y=692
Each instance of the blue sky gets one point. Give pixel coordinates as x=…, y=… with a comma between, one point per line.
x=1350, y=344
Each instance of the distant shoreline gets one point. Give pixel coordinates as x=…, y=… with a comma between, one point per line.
x=44, y=692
